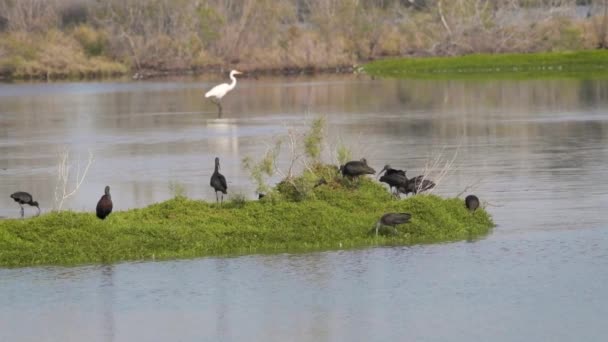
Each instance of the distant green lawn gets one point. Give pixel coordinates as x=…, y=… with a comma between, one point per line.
x=593, y=63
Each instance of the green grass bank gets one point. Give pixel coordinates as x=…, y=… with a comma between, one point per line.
x=332, y=216
x=548, y=64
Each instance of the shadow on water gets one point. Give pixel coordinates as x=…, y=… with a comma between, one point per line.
x=107, y=299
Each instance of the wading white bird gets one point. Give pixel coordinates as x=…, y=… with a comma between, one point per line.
x=220, y=90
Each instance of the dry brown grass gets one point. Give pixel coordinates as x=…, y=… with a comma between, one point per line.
x=275, y=34
x=50, y=55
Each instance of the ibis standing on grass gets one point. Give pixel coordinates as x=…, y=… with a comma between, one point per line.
x=392, y=219
x=394, y=178
x=216, y=93
x=416, y=185
x=356, y=168
x=104, y=206
x=218, y=182
x=472, y=202
x=22, y=198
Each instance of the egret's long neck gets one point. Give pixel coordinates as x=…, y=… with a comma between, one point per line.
x=233, y=83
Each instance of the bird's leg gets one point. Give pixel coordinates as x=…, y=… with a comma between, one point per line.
x=377, y=226
x=222, y=202
x=219, y=106
x=217, y=199
x=22, y=210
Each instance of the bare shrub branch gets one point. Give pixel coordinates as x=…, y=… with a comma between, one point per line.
x=62, y=185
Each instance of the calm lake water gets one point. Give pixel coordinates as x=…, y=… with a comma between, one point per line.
x=536, y=151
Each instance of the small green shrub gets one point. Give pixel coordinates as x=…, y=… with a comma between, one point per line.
x=344, y=154
x=93, y=42
x=237, y=200
x=313, y=139
x=177, y=189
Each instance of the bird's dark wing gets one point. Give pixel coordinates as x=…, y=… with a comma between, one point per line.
x=22, y=197
x=104, y=207
x=218, y=182
x=395, y=218
x=222, y=180
x=419, y=184
x=393, y=171
x=472, y=202
x=395, y=180
x=356, y=168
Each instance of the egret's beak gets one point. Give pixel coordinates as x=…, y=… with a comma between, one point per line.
x=236, y=72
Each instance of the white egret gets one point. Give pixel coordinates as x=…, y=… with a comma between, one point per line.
x=220, y=90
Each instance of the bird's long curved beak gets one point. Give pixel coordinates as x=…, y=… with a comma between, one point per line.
x=380, y=173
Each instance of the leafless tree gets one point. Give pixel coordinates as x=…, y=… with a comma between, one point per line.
x=66, y=185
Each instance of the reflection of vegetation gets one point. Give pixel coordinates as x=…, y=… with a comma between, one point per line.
x=338, y=215
x=517, y=64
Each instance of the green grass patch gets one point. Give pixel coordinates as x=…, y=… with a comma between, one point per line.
x=593, y=63
x=332, y=216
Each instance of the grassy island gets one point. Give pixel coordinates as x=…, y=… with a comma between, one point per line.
x=313, y=210
x=551, y=64
x=332, y=216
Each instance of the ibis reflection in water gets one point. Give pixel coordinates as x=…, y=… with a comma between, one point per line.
x=218, y=182
x=22, y=198
x=392, y=219
x=104, y=206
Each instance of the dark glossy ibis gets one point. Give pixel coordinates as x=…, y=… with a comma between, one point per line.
x=394, y=178
x=392, y=219
x=104, y=206
x=356, y=168
x=472, y=202
x=416, y=185
x=218, y=181
x=22, y=198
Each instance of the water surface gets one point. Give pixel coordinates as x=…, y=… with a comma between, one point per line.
x=536, y=152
